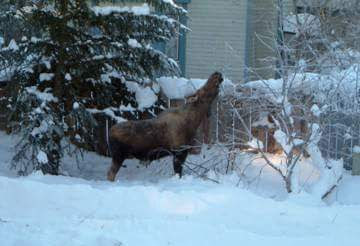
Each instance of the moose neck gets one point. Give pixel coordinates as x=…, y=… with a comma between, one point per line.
x=199, y=104
x=196, y=112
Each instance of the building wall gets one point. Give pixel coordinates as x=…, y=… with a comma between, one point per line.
x=263, y=35
x=231, y=35
x=217, y=38
x=289, y=7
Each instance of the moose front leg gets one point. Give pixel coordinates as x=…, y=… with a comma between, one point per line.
x=179, y=159
x=114, y=168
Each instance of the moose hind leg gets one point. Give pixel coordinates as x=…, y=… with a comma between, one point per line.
x=179, y=159
x=114, y=168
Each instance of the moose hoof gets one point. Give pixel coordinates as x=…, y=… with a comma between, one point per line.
x=111, y=177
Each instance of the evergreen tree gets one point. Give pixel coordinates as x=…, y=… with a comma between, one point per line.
x=78, y=62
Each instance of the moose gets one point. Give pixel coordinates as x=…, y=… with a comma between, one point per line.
x=169, y=134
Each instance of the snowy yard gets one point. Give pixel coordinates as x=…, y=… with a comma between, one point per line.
x=72, y=67
x=148, y=206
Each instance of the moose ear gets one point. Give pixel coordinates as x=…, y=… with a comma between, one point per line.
x=192, y=99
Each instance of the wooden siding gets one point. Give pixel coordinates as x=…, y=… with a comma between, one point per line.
x=217, y=38
x=289, y=7
x=263, y=36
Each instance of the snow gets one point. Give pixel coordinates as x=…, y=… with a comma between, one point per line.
x=145, y=96
x=35, y=40
x=5, y=74
x=134, y=43
x=44, y=125
x=176, y=88
x=179, y=88
x=281, y=138
x=148, y=206
x=47, y=62
x=27, y=9
x=46, y=77
x=76, y=105
x=326, y=88
x=43, y=96
x=356, y=149
x=13, y=45
x=301, y=23
x=68, y=76
x=315, y=110
x=108, y=10
x=255, y=143
x=42, y=157
x=333, y=4
x=106, y=77
x=108, y=112
x=169, y=1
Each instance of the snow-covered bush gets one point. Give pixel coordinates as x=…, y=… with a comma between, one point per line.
x=321, y=35
x=80, y=63
x=300, y=106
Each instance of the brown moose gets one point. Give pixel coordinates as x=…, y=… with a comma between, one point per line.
x=171, y=133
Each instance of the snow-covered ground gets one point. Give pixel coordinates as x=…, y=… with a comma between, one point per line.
x=148, y=206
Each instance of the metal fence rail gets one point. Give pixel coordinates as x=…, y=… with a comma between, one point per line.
x=340, y=128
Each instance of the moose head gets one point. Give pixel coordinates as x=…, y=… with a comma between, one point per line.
x=208, y=92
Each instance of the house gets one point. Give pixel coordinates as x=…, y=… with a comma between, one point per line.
x=226, y=35
x=234, y=36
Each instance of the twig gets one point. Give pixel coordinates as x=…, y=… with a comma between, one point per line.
x=331, y=189
x=201, y=175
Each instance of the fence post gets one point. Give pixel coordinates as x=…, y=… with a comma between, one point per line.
x=250, y=116
x=266, y=139
x=329, y=142
x=233, y=122
x=217, y=122
x=107, y=137
x=356, y=161
x=336, y=142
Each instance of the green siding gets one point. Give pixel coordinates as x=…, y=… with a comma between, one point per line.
x=182, y=45
x=217, y=38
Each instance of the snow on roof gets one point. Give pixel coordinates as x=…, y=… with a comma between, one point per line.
x=335, y=4
x=136, y=10
x=301, y=23
x=356, y=149
x=179, y=88
x=339, y=84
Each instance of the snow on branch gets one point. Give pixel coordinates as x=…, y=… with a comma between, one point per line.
x=43, y=96
x=107, y=111
x=302, y=23
x=108, y=10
